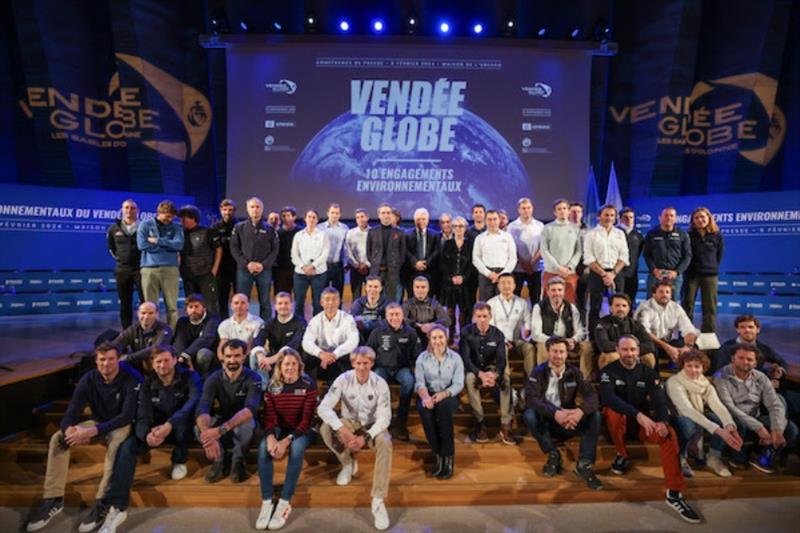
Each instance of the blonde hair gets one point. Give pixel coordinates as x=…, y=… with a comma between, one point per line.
x=712, y=224
x=286, y=351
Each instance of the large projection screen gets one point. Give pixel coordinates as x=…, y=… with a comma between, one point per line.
x=441, y=126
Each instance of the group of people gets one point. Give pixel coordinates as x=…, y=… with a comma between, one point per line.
x=221, y=383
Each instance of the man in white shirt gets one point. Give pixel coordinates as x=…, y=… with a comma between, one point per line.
x=605, y=254
x=527, y=232
x=366, y=415
x=554, y=315
x=330, y=338
x=337, y=258
x=241, y=325
x=561, y=249
x=663, y=318
x=355, y=245
x=511, y=314
x=494, y=253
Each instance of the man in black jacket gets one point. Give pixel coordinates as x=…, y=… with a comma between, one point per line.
x=136, y=340
x=617, y=323
x=284, y=329
x=631, y=393
x=422, y=252
x=483, y=349
x=667, y=252
x=226, y=275
x=167, y=400
x=254, y=245
x=386, y=250
x=630, y=274
x=551, y=409
x=200, y=258
x=110, y=391
x=121, y=238
x=196, y=335
x=396, y=350
x=369, y=310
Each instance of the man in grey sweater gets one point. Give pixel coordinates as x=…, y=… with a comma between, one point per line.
x=561, y=250
x=756, y=407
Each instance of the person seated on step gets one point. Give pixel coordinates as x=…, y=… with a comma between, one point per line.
x=395, y=345
x=483, y=349
x=554, y=315
x=196, y=336
x=511, y=314
x=439, y=374
x=423, y=311
x=699, y=408
x=366, y=413
x=550, y=394
x=330, y=338
x=136, y=340
x=285, y=329
x=226, y=412
x=663, y=318
x=748, y=328
x=241, y=325
x=110, y=391
x=290, y=401
x=167, y=400
x=634, y=403
x=370, y=309
x=758, y=410
x=615, y=324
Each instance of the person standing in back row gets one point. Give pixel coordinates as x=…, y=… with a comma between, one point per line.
x=226, y=275
x=121, y=237
x=337, y=258
x=667, y=252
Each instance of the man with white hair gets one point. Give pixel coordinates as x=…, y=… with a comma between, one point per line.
x=366, y=407
x=422, y=251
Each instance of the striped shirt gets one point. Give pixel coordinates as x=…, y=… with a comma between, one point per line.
x=290, y=406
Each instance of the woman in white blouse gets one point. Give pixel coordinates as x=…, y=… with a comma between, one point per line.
x=699, y=408
x=310, y=259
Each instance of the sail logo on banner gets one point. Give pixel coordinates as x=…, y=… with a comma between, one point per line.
x=123, y=117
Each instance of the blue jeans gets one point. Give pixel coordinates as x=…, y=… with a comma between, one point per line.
x=687, y=429
x=296, y=451
x=263, y=281
x=253, y=362
x=335, y=277
x=301, y=283
x=405, y=378
x=790, y=434
x=677, y=284
x=119, y=487
x=238, y=440
x=588, y=428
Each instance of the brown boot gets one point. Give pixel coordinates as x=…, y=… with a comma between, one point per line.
x=507, y=436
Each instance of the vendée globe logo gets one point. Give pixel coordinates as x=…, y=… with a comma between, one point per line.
x=283, y=86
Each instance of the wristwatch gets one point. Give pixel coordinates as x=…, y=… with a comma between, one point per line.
x=290, y=437
x=223, y=429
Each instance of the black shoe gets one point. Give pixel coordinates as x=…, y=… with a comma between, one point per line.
x=763, y=463
x=49, y=508
x=94, y=519
x=479, y=433
x=238, y=473
x=437, y=465
x=553, y=464
x=676, y=501
x=587, y=474
x=216, y=472
x=620, y=465
x=399, y=432
x=447, y=468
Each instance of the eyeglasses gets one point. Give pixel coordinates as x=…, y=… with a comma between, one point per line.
x=459, y=225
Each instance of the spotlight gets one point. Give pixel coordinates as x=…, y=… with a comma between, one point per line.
x=541, y=32
x=477, y=29
x=377, y=26
x=243, y=25
x=344, y=26
x=444, y=27
x=311, y=23
x=412, y=23
x=510, y=27
x=277, y=26
x=575, y=33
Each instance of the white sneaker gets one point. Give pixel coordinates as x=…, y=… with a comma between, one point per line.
x=179, y=471
x=715, y=464
x=281, y=514
x=380, y=514
x=114, y=519
x=347, y=473
x=263, y=515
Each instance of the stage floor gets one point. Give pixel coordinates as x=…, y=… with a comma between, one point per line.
x=45, y=336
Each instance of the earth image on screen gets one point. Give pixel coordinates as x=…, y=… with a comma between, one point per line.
x=488, y=168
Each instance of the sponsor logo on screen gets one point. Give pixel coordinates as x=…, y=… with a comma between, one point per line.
x=538, y=89
x=283, y=86
x=279, y=124
x=735, y=113
x=126, y=116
